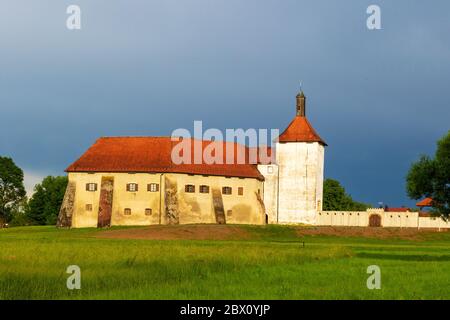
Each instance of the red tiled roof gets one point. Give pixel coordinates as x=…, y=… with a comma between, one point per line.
x=300, y=130
x=427, y=202
x=153, y=154
x=264, y=154
x=397, y=209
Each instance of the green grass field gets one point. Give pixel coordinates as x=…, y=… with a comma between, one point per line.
x=272, y=263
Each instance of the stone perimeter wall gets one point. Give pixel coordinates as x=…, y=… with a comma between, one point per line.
x=388, y=219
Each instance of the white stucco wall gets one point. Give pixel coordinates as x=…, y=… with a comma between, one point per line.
x=270, y=196
x=388, y=219
x=300, y=190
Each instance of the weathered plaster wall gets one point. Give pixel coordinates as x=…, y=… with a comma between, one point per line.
x=187, y=207
x=388, y=219
x=82, y=218
x=300, y=181
x=270, y=194
x=198, y=207
x=67, y=207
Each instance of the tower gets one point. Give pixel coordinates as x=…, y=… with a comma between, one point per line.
x=300, y=158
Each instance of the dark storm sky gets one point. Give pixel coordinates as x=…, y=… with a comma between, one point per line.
x=379, y=98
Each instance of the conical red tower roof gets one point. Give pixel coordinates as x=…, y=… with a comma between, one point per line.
x=300, y=130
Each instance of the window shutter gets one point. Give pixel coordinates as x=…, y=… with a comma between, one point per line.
x=157, y=187
x=128, y=187
x=95, y=187
x=87, y=186
x=136, y=186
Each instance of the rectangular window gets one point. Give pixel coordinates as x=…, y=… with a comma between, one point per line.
x=89, y=207
x=229, y=213
x=204, y=189
x=226, y=190
x=189, y=188
x=148, y=212
x=91, y=187
x=240, y=191
x=153, y=187
x=127, y=211
x=132, y=187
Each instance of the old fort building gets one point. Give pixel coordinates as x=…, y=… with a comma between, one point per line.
x=134, y=181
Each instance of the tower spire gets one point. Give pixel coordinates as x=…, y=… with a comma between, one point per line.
x=301, y=103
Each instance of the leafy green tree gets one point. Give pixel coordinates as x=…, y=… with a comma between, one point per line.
x=430, y=177
x=19, y=216
x=335, y=198
x=12, y=190
x=43, y=207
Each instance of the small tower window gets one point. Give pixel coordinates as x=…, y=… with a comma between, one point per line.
x=240, y=191
x=189, y=188
x=127, y=211
x=89, y=207
x=148, y=212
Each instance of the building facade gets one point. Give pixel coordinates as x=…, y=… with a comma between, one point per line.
x=123, y=181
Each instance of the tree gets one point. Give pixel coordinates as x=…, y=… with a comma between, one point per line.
x=19, y=216
x=12, y=190
x=43, y=207
x=430, y=177
x=335, y=198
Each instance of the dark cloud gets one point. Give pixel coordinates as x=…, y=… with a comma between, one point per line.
x=379, y=98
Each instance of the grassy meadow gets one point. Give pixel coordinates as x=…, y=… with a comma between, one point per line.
x=270, y=262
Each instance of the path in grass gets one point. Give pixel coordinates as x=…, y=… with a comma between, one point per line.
x=270, y=262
